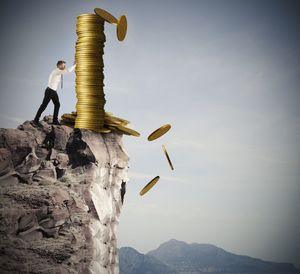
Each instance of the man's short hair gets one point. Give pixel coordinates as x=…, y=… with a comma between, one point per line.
x=60, y=62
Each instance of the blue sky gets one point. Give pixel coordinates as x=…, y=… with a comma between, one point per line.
x=225, y=74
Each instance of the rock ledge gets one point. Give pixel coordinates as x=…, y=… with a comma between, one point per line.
x=62, y=191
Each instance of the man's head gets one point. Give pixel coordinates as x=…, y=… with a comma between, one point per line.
x=61, y=64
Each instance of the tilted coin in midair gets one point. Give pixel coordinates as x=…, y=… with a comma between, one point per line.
x=167, y=156
x=159, y=132
x=105, y=15
x=122, y=28
x=149, y=185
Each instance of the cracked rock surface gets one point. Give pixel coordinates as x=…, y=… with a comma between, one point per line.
x=61, y=194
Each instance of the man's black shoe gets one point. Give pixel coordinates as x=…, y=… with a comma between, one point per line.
x=56, y=122
x=35, y=123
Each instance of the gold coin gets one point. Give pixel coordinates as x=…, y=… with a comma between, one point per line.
x=88, y=53
x=86, y=123
x=168, y=158
x=159, y=132
x=68, y=119
x=89, y=90
x=90, y=96
x=88, y=107
x=117, y=121
x=93, y=69
x=86, y=116
x=87, y=85
x=90, y=40
x=86, y=75
x=122, y=28
x=105, y=15
x=90, y=125
x=69, y=122
x=111, y=124
x=110, y=119
x=85, y=111
x=90, y=100
x=128, y=131
x=90, y=31
x=149, y=185
x=111, y=127
x=68, y=115
x=91, y=119
x=85, y=82
x=103, y=130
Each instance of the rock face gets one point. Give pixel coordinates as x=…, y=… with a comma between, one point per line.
x=62, y=191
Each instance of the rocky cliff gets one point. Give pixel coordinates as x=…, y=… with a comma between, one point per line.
x=62, y=191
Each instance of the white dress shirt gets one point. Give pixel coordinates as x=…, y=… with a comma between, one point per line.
x=56, y=75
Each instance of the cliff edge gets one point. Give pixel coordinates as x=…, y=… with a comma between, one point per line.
x=62, y=191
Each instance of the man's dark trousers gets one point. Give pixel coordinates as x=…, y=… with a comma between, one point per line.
x=50, y=94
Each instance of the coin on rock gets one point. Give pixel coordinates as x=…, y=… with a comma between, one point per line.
x=122, y=28
x=149, y=185
x=128, y=131
x=103, y=130
x=159, y=132
x=108, y=17
x=168, y=158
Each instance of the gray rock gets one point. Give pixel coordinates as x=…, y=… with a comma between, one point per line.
x=19, y=143
x=5, y=161
x=30, y=164
x=46, y=172
x=42, y=152
x=62, y=134
x=39, y=133
x=60, y=199
x=27, y=221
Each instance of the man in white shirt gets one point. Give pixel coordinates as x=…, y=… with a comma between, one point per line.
x=55, y=79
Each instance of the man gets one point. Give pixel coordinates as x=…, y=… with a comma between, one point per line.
x=55, y=79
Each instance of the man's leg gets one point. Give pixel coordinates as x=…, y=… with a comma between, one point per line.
x=46, y=100
x=56, y=103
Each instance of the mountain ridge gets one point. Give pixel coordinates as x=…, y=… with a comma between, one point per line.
x=183, y=258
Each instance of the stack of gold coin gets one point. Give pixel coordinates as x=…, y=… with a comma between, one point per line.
x=89, y=72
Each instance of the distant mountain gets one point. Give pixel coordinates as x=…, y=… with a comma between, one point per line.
x=206, y=258
x=133, y=262
x=178, y=257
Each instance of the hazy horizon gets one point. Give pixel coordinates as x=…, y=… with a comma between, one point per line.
x=225, y=74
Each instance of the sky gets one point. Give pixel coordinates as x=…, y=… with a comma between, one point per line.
x=224, y=74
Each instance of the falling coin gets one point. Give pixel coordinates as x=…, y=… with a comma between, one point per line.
x=106, y=16
x=122, y=28
x=168, y=158
x=149, y=185
x=159, y=132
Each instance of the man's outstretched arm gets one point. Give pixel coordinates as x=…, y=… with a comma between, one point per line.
x=70, y=69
